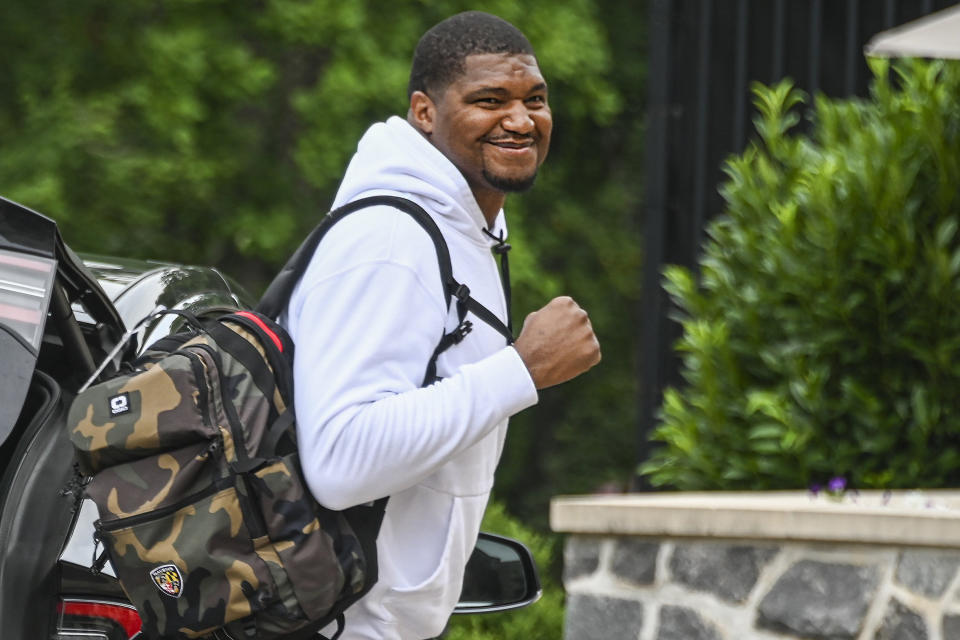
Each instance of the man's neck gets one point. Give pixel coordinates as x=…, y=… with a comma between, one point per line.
x=490, y=203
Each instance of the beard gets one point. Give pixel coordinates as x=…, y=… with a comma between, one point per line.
x=509, y=184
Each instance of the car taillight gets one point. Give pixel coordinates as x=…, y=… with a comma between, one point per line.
x=81, y=619
x=25, y=286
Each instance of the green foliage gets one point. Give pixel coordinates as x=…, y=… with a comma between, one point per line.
x=822, y=334
x=542, y=620
x=215, y=132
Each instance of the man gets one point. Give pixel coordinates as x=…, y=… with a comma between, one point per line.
x=370, y=309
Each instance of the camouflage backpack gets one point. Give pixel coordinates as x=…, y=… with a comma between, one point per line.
x=193, y=465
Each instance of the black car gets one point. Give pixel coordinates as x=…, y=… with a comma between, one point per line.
x=60, y=317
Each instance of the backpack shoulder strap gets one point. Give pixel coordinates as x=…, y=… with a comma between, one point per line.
x=278, y=293
x=275, y=298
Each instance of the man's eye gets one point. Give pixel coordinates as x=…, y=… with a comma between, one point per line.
x=537, y=99
x=487, y=101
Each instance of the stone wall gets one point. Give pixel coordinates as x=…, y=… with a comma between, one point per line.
x=624, y=588
x=761, y=566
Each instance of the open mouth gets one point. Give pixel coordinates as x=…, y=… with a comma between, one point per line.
x=513, y=147
x=512, y=141
x=512, y=144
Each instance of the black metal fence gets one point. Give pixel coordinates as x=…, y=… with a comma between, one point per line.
x=704, y=55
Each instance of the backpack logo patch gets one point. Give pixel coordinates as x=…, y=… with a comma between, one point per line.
x=120, y=404
x=168, y=580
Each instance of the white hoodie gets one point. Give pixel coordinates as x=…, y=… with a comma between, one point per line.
x=365, y=318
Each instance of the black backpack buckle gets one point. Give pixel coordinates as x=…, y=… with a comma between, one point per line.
x=458, y=334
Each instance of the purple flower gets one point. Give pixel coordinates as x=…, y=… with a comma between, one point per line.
x=837, y=484
x=815, y=489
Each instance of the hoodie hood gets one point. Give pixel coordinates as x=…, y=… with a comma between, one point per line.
x=394, y=158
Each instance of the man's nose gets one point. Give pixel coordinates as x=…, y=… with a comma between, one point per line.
x=518, y=118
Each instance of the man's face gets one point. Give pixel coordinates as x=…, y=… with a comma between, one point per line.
x=493, y=123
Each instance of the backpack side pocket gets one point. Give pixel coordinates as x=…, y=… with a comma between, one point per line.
x=309, y=549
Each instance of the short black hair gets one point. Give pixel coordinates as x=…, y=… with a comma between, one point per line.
x=440, y=54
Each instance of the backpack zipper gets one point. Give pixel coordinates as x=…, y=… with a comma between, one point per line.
x=157, y=514
x=236, y=429
x=200, y=373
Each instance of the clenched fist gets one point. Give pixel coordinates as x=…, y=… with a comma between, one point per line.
x=557, y=343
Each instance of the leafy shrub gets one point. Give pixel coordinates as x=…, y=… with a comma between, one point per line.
x=822, y=336
x=542, y=620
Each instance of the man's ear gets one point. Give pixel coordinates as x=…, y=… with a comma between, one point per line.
x=422, y=112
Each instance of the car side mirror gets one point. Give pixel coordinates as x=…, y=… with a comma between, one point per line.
x=500, y=575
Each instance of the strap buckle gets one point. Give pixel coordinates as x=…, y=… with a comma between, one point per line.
x=458, y=334
x=462, y=293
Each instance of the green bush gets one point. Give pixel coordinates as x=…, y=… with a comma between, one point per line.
x=542, y=620
x=821, y=336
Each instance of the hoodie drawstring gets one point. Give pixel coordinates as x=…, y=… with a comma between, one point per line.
x=501, y=249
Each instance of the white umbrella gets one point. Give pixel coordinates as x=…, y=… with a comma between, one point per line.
x=934, y=36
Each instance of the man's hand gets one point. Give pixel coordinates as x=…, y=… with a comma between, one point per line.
x=557, y=343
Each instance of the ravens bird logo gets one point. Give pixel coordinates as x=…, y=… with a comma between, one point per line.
x=168, y=579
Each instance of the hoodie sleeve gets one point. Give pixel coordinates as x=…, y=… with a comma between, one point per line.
x=365, y=320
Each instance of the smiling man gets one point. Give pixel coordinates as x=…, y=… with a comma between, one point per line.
x=492, y=122
x=368, y=314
